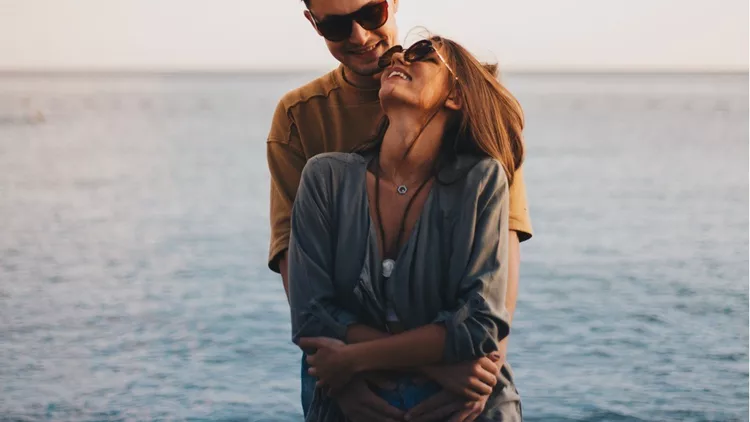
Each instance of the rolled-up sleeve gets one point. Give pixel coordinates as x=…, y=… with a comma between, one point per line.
x=314, y=311
x=476, y=327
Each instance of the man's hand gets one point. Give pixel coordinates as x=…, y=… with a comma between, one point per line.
x=360, y=404
x=330, y=363
x=446, y=406
x=472, y=379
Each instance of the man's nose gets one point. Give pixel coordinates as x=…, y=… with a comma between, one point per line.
x=359, y=35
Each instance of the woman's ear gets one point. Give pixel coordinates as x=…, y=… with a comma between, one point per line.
x=454, y=102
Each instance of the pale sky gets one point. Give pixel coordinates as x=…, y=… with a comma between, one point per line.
x=544, y=35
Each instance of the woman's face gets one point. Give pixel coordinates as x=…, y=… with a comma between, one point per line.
x=422, y=84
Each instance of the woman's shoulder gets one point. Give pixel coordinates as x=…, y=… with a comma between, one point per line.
x=490, y=169
x=470, y=181
x=333, y=161
x=331, y=165
x=474, y=172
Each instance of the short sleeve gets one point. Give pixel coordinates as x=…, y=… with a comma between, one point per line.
x=519, y=219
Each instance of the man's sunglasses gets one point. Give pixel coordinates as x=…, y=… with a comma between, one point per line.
x=419, y=51
x=339, y=27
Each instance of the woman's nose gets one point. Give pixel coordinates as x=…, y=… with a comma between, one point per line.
x=399, y=57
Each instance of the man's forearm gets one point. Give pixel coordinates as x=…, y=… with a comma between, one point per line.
x=514, y=265
x=284, y=270
x=511, y=294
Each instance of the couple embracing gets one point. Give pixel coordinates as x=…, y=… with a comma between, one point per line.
x=397, y=208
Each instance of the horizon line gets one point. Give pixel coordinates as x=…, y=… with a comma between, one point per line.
x=301, y=71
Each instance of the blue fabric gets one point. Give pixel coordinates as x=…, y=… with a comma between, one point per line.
x=307, y=384
x=408, y=394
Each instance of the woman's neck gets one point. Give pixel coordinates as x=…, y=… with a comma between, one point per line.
x=405, y=159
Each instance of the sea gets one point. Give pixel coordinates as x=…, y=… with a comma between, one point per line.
x=134, y=232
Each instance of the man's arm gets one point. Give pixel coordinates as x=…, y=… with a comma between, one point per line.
x=284, y=270
x=286, y=160
x=520, y=230
x=511, y=293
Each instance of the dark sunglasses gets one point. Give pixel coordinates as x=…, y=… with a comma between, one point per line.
x=419, y=51
x=339, y=27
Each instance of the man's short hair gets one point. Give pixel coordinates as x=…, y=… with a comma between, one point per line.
x=307, y=2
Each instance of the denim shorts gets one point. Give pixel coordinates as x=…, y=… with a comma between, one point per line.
x=404, y=396
x=407, y=394
x=307, y=385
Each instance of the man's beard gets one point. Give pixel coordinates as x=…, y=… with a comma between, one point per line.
x=368, y=71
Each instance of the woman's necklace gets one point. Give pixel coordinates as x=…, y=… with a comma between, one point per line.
x=402, y=189
x=389, y=261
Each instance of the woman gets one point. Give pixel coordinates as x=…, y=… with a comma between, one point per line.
x=398, y=252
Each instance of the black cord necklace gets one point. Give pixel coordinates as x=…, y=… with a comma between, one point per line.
x=390, y=254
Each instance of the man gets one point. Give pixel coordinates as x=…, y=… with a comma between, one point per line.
x=337, y=112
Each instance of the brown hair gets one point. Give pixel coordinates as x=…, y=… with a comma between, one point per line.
x=490, y=122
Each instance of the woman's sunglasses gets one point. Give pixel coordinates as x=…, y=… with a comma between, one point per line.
x=419, y=51
x=339, y=27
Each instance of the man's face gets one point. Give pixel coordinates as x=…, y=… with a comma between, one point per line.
x=359, y=52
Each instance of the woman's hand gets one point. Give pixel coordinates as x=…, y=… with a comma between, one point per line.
x=332, y=364
x=472, y=379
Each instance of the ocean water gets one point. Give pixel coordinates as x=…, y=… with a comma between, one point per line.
x=134, y=233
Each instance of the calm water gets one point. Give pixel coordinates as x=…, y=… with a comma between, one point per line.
x=134, y=231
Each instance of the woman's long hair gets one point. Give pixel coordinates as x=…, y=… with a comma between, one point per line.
x=490, y=121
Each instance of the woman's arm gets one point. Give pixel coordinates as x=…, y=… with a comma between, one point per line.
x=312, y=297
x=360, y=333
x=421, y=346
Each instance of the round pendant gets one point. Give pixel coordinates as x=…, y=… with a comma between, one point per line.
x=402, y=190
x=387, y=267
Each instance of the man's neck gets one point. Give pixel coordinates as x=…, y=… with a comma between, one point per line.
x=361, y=81
x=417, y=164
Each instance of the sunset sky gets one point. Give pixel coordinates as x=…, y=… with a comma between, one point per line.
x=546, y=35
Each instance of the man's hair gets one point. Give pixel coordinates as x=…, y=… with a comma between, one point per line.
x=307, y=3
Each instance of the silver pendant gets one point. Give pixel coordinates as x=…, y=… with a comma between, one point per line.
x=401, y=189
x=387, y=267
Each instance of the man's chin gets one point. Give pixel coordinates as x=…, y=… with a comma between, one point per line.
x=364, y=70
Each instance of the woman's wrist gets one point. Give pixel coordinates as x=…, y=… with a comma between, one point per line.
x=352, y=356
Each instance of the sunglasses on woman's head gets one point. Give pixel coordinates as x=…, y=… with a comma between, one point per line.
x=339, y=27
x=419, y=51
